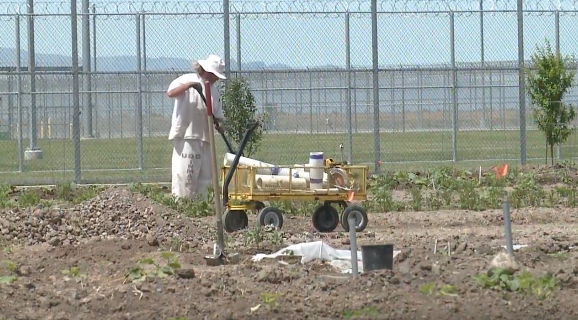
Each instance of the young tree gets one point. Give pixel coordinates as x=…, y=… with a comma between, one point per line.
x=548, y=80
x=241, y=111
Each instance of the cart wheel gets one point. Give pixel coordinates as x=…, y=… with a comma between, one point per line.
x=271, y=216
x=257, y=205
x=235, y=220
x=360, y=218
x=325, y=218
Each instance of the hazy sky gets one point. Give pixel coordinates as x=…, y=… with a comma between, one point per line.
x=308, y=40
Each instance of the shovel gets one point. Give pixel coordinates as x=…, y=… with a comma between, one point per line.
x=218, y=256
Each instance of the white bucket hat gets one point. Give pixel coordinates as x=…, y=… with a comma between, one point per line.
x=215, y=65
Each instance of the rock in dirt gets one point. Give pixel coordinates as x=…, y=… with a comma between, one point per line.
x=503, y=260
x=24, y=271
x=152, y=240
x=186, y=272
x=125, y=246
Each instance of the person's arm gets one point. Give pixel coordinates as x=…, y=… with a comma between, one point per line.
x=178, y=90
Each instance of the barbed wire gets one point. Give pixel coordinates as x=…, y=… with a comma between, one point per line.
x=286, y=6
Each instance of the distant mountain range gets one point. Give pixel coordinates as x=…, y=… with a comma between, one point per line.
x=120, y=63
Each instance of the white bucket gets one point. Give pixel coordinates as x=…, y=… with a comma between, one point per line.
x=315, y=170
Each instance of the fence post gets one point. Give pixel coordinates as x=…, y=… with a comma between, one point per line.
x=75, y=92
x=454, y=91
x=33, y=151
x=348, y=93
x=403, y=101
x=374, y=48
x=19, y=96
x=310, y=102
x=557, y=23
x=521, y=82
x=482, y=58
x=139, y=130
x=239, y=68
x=227, y=38
x=86, y=83
x=95, y=104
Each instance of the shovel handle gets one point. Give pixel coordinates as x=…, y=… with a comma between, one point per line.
x=209, y=98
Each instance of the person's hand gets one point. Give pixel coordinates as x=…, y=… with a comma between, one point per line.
x=219, y=126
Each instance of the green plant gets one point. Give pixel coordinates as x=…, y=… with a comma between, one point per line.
x=435, y=200
x=416, y=198
x=148, y=268
x=548, y=81
x=10, y=265
x=527, y=192
x=368, y=312
x=254, y=236
x=240, y=112
x=188, y=207
x=29, y=198
x=271, y=300
x=491, y=197
x=431, y=288
x=525, y=282
x=449, y=290
x=277, y=238
x=428, y=288
x=5, y=191
x=7, y=279
x=382, y=198
x=74, y=272
x=469, y=197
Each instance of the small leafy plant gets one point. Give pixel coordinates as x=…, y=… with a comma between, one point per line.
x=148, y=268
x=525, y=282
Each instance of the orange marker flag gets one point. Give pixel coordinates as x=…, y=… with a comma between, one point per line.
x=501, y=171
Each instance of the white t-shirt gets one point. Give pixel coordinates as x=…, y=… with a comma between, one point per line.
x=189, y=120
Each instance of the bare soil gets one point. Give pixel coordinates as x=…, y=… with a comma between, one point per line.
x=106, y=236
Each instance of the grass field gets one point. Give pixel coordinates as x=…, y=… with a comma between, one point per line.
x=116, y=160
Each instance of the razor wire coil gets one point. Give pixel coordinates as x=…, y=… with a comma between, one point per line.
x=204, y=7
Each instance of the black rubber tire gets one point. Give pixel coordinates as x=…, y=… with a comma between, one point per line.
x=325, y=218
x=271, y=216
x=360, y=216
x=235, y=220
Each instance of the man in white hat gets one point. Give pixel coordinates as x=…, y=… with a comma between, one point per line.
x=191, y=166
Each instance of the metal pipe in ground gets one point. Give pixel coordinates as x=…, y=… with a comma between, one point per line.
x=508, y=226
x=353, y=242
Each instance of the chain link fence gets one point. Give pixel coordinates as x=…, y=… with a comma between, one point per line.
x=447, y=81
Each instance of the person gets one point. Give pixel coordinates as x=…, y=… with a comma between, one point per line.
x=191, y=166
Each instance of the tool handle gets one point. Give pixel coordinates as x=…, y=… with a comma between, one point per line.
x=209, y=98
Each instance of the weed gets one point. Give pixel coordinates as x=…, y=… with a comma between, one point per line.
x=428, y=288
x=431, y=288
x=254, y=236
x=527, y=192
x=7, y=279
x=449, y=290
x=434, y=201
x=491, y=197
x=469, y=196
x=10, y=265
x=74, y=272
x=64, y=191
x=525, y=282
x=29, y=198
x=271, y=300
x=148, y=268
x=188, y=207
x=5, y=191
x=362, y=313
x=382, y=200
x=416, y=198
x=552, y=199
x=277, y=238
